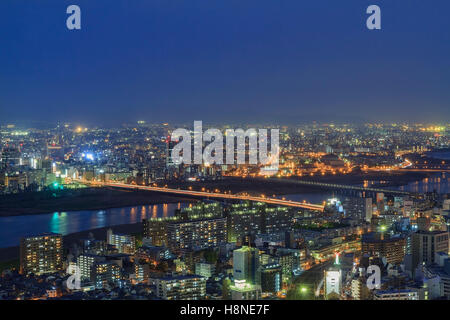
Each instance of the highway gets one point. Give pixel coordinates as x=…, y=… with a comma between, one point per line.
x=202, y=194
x=332, y=186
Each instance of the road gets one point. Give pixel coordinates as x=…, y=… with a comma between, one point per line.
x=202, y=194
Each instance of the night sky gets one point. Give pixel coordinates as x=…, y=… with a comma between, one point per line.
x=286, y=61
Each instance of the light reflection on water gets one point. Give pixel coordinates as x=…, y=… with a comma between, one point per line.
x=438, y=182
x=12, y=228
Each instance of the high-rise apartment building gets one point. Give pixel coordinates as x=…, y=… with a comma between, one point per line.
x=196, y=235
x=41, y=254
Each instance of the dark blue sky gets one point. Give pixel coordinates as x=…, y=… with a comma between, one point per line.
x=232, y=60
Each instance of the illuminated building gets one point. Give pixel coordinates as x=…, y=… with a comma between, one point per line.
x=287, y=263
x=85, y=263
x=438, y=272
x=246, y=264
x=104, y=273
x=142, y=272
x=10, y=157
x=152, y=253
x=271, y=278
x=196, y=235
x=381, y=245
x=123, y=242
x=41, y=254
x=155, y=229
x=333, y=281
x=396, y=294
x=358, y=208
x=359, y=289
x=206, y=270
x=187, y=287
x=425, y=244
x=241, y=290
x=256, y=218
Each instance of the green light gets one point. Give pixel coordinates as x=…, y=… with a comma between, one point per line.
x=303, y=289
x=383, y=228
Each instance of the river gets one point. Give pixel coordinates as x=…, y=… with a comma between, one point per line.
x=13, y=228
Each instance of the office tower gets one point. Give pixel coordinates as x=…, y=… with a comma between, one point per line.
x=241, y=290
x=123, y=242
x=271, y=278
x=186, y=287
x=380, y=245
x=246, y=264
x=196, y=235
x=41, y=254
x=425, y=244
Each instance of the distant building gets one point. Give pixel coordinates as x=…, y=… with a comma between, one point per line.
x=41, y=254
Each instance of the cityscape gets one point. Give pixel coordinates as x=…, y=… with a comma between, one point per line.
x=345, y=200
x=224, y=158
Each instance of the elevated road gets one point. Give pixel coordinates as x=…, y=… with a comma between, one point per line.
x=202, y=194
x=331, y=186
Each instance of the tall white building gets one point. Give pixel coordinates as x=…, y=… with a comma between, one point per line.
x=333, y=281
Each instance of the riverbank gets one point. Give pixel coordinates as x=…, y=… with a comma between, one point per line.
x=80, y=200
x=10, y=254
x=107, y=198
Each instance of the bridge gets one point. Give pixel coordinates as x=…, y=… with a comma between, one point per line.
x=325, y=185
x=202, y=194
